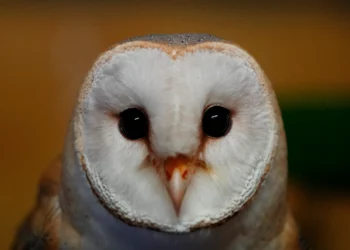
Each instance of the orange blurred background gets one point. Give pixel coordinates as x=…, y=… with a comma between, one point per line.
x=46, y=48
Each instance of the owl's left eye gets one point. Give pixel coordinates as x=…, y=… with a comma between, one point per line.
x=216, y=121
x=133, y=123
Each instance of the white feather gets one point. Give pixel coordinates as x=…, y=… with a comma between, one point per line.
x=174, y=94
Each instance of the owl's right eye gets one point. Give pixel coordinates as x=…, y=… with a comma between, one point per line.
x=133, y=123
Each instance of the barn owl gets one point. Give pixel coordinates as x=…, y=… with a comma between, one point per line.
x=176, y=142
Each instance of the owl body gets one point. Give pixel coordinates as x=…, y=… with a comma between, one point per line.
x=176, y=142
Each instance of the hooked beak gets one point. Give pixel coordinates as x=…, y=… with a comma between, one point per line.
x=178, y=173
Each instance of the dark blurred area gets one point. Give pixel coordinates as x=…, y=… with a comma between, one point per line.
x=47, y=47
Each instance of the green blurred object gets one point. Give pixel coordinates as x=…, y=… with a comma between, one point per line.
x=318, y=137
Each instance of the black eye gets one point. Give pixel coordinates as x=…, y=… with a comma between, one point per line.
x=133, y=124
x=216, y=121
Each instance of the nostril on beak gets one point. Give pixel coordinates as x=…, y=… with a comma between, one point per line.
x=177, y=178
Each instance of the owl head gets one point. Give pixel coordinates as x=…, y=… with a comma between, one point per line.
x=175, y=132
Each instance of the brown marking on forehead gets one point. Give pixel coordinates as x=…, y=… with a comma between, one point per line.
x=174, y=45
x=179, y=40
x=175, y=51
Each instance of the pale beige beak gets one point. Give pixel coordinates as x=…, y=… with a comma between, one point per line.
x=178, y=174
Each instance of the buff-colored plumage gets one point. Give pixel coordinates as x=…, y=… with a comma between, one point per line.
x=88, y=199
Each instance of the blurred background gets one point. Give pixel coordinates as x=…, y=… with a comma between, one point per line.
x=47, y=47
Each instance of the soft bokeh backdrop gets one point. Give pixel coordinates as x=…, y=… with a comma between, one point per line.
x=46, y=48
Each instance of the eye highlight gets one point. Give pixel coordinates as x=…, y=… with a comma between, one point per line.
x=133, y=123
x=216, y=121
